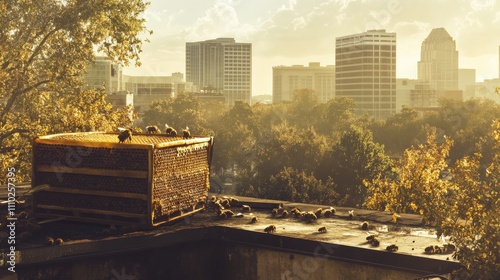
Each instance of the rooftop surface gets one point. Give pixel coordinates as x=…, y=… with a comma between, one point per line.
x=291, y=232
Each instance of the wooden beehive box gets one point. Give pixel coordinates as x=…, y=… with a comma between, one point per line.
x=90, y=176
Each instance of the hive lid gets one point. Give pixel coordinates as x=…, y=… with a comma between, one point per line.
x=111, y=139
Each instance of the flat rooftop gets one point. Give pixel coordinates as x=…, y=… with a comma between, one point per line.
x=343, y=235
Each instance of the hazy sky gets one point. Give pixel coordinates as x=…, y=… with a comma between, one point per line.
x=288, y=32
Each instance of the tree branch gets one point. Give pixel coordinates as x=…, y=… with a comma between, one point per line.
x=11, y=132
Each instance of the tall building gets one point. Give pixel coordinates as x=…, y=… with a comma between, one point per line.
x=103, y=72
x=221, y=65
x=438, y=63
x=365, y=70
x=467, y=82
x=287, y=79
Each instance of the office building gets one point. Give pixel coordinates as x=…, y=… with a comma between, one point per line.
x=221, y=65
x=365, y=70
x=147, y=89
x=467, y=82
x=287, y=79
x=438, y=63
x=104, y=73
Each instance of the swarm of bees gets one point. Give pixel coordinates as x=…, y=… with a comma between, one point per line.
x=152, y=129
x=322, y=229
x=221, y=206
x=126, y=133
x=435, y=249
x=270, y=229
x=392, y=248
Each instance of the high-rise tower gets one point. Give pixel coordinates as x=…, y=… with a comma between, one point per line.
x=221, y=65
x=438, y=63
x=365, y=70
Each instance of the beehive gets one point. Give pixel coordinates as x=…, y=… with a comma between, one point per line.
x=151, y=180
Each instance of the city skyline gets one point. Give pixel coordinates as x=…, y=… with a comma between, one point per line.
x=298, y=32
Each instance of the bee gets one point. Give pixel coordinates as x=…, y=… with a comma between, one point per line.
x=322, y=229
x=392, y=248
x=395, y=217
x=270, y=229
x=318, y=212
x=274, y=211
x=448, y=248
x=185, y=133
x=222, y=215
x=310, y=216
x=212, y=201
x=228, y=213
x=218, y=205
x=226, y=203
x=152, y=129
x=295, y=210
x=364, y=225
x=437, y=249
x=124, y=135
x=254, y=220
x=59, y=241
x=429, y=249
x=49, y=240
x=246, y=208
x=329, y=212
x=370, y=237
x=351, y=214
x=239, y=215
x=284, y=213
x=375, y=242
x=170, y=130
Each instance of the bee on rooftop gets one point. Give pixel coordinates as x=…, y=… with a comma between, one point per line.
x=270, y=229
x=152, y=129
x=124, y=135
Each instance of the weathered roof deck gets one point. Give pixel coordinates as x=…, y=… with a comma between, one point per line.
x=204, y=246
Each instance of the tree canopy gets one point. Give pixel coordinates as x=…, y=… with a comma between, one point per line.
x=45, y=47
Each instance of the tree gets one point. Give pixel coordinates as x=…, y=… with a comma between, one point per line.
x=399, y=131
x=473, y=218
x=336, y=116
x=293, y=185
x=179, y=112
x=45, y=47
x=354, y=159
x=418, y=186
x=464, y=207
